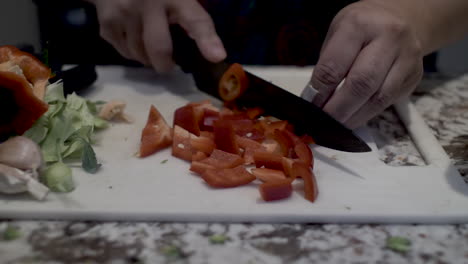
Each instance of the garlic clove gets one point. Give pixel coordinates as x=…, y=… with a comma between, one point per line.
x=37, y=189
x=13, y=180
x=22, y=153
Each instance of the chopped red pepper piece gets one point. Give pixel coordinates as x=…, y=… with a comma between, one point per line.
x=276, y=190
x=186, y=118
x=304, y=153
x=203, y=144
x=224, y=136
x=222, y=159
x=181, y=146
x=285, y=142
x=268, y=160
x=300, y=169
x=227, y=178
x=267, y=175
x=156, y=135
x=197, y=156
x=207, y=119
x=200, y=167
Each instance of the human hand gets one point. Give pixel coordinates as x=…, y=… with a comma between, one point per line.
x=373, y=45
x=139, y=29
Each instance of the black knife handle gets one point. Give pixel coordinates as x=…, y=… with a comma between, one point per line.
x=187, y=55
x=185, y=51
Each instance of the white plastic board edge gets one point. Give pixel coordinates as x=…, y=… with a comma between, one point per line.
x=422, y=136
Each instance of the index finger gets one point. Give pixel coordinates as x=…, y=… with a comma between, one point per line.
x=192, y=17
x=339, y=50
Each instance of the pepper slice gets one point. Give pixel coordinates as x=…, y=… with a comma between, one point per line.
x=233, y=83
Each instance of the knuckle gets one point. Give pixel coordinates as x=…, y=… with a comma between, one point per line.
x=361, y=85
x=326, y=74
x=381, y=100
x=397, y=27
x=355, y=16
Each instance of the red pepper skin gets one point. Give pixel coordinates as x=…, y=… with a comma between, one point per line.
x=275, y=190
x=233, y=83
x=28, y=106
x=224, y=136
x=227, y=178
x=186, y=118
x=34, y=70
x=156, y=135
x=302, y=170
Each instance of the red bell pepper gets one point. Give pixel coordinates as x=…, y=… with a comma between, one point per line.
x=276, y=190
x=34, y=70
x=156, y=135
x=22, y=94
x=227, y=178
x=20, y=108
x=302, y=170
x=268, y=175
x=224, y=136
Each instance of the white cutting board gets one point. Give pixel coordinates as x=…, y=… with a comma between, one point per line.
x=354, y=187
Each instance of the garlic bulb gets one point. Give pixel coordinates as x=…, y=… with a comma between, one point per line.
x=22, y=153
x=20, y=161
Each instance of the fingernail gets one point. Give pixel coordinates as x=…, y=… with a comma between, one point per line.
x=218, y=51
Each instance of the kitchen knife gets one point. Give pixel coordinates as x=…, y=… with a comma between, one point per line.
x=275, y=101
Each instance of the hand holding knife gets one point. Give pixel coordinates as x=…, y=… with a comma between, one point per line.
x=306, y=117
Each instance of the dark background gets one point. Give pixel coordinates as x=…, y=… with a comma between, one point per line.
x=69, y=32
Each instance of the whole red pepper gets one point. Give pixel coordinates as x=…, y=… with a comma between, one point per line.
x=23, y=80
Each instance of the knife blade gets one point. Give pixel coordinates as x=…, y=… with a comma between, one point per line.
x=275, y=101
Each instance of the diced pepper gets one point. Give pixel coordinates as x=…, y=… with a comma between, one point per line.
x=181, y=146
x=222, y=159
x=285, y=142
x=227, y=178
x=304, y=153
x=267, y=175
x=186, y=118
x=200, y=167
x=224, y=137
x=272, y=146
x=276, y=190
x=197, y=156
x=207, y=119
x=268, y=160
x=300, y=169
x=156, y=135
x=270, y=126
x=203, y=144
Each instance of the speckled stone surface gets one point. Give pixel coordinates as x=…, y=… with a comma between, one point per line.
x=442, y=101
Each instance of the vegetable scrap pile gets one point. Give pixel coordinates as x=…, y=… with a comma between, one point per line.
x=231, y=148
x=44, y=130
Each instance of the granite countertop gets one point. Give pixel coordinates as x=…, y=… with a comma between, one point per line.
x=443, y=102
